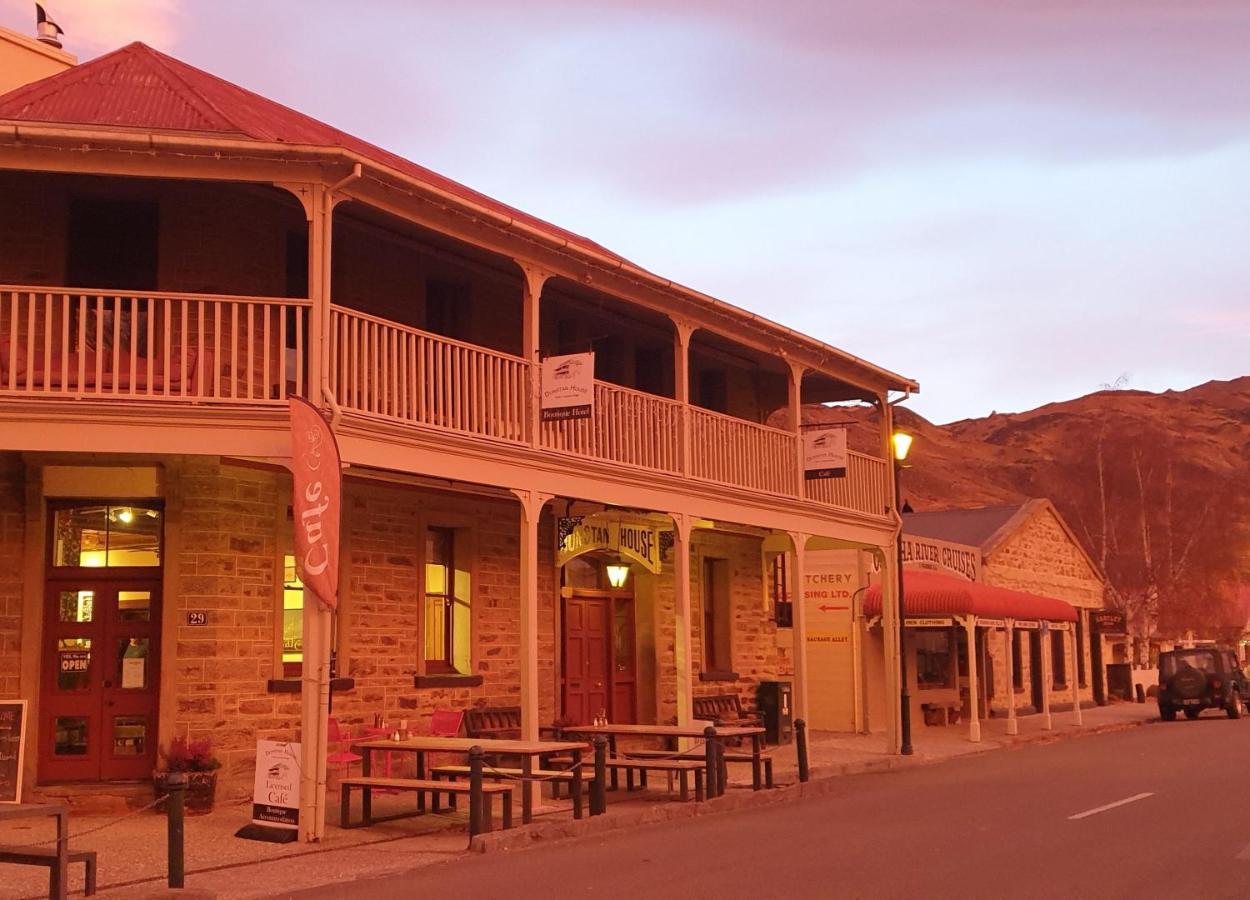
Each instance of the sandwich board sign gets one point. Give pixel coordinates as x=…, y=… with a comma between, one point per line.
x=12, y=742
x=275, y=794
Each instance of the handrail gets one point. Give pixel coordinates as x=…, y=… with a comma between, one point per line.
x=408, y=329
x=145, y=295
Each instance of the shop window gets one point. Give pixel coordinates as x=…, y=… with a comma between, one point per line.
x=1058, y=661
x=101, y=536
x=1017, y=663
x=717, y=633
x=779, y=592
x=448, y=604
x=933, y=658
x=292, y=619
x=1080, y=652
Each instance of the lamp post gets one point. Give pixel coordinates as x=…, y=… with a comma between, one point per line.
x=900, y=442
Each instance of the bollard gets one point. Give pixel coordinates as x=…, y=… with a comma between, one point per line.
x=800, y=745
x=1141, y=692
x=174, y=828
x=475, y=791
x=712, y=762
x=599, y=787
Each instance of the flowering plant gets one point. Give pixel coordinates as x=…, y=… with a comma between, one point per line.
x=190, y=756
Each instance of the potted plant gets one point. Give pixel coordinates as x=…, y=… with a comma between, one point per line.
x=195, y=760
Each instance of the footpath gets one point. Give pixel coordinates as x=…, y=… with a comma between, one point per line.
x=131, y=848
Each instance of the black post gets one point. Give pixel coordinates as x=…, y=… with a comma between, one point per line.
x=599, y=787
x=800, y=746
x=711, y=762
x=475, y=791
x=904, y=713
x=174, y=828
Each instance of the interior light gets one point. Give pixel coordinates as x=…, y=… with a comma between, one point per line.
x=617, y=573
x=126, y=516
x=901, y=442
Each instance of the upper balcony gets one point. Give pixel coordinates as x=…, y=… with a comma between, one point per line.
x=164, y=292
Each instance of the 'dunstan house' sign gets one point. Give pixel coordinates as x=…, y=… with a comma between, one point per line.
x=568, y=387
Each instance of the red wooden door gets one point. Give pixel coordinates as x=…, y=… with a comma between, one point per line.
x=101, y=678
x=587, y=658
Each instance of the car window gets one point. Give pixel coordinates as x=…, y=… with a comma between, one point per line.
x=1202, y=660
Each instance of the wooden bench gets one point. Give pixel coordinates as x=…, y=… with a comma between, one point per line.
x=949, y=710
x=496, y=773
x=730, y=757
x=421, y=786
x=504, y=723
x=724, y=709
x=681, y=767
x=39, y=856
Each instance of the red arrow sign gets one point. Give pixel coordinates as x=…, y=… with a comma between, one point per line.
x=824, y=608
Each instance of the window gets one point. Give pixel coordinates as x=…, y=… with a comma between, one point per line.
x=716, y=636
x=713, y=388
x=106, y=537
x=112, y=244
x=292, y=620
x=1080, y=651
x=779, y=592
x=1058, y=660
x=447, y=606
x=933, y=657
x=446, y=308
x=1017, y=665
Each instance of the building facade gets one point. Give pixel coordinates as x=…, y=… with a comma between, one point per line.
x=180, y=256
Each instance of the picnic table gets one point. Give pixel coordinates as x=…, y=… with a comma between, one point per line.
x=713, y=748
x=59, y=875
x=528, y=751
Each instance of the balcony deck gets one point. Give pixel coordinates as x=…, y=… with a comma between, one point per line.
x=168, y=348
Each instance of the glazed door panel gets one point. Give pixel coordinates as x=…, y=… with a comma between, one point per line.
x=100, y=680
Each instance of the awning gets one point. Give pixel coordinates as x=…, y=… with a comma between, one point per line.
x=928, y=593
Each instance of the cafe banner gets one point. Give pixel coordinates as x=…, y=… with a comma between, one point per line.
x=824, y=452
x=275, y=792
x=318, y=500
x=638, y=541
x=12, y=744
x=568, y=387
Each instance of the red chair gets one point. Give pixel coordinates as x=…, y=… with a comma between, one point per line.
x=336, y=736
x=446, y=722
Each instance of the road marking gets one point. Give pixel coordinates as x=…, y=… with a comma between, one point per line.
x=1095, y=811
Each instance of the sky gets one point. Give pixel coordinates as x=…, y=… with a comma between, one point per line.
x=1011, y=201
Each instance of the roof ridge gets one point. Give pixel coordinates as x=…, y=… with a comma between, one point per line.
x=165, y=62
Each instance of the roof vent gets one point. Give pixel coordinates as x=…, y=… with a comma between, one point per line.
x=47, y=30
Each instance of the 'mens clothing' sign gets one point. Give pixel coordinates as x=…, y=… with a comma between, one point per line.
x=568, y=387
x=824, y=452
x=318, y=500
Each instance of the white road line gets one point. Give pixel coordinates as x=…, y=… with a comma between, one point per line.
x=1099, y=809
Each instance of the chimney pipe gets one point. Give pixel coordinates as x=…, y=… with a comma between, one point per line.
x=47, y=30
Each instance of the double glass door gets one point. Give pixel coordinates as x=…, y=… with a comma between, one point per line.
x=100, y=680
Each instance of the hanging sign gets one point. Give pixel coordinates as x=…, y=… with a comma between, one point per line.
x=318, y=500
x=1107, y=621
x=983, y=622
x=638, y=541
x=12, y=744
x=1060, y=626
x=929, y=622
x=1027, y=624
x=824, y=452
x=568, y=387
x=275, y=792
x=72, y=661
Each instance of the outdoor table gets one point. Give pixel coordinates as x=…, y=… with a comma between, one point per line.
x=32, y=810
x=527, y=750
x=715, y=771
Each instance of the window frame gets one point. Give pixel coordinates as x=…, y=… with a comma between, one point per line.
x=464, y=552
x=951, y=658
x=710, y=619
x=1058, y=660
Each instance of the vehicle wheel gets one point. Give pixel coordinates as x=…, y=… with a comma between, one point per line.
x=1167, y=713
x=1234, y=705
x=1192, y=714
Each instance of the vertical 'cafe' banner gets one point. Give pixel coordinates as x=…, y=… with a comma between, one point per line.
x=318, y=497
x=824, y=452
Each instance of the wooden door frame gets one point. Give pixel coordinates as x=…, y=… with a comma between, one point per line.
x=611, y=596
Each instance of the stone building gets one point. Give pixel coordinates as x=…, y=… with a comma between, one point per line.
x=179, y=256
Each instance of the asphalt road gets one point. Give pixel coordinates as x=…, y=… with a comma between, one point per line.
x=1023, y=823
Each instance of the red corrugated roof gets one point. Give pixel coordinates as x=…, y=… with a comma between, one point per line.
x=138, y=87
x=928, y=593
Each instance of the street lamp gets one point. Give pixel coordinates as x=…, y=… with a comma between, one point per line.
x=900, y=442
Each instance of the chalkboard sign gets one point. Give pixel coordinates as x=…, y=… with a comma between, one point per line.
x=12, y=744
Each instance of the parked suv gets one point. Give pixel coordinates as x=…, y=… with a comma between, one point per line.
x=1198, y=679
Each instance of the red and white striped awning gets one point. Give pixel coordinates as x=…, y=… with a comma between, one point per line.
x=928, y=593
